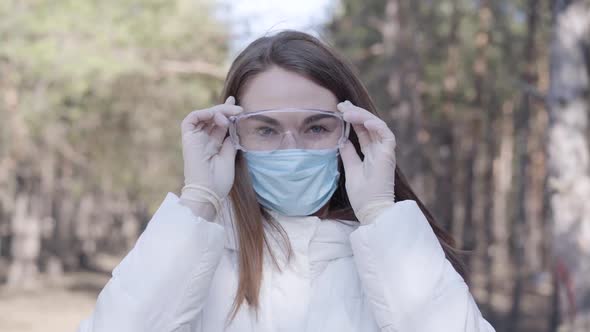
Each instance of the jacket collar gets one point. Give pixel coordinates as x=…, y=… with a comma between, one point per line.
x=319, y=239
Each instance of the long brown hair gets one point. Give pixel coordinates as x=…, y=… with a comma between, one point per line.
x=305, y=55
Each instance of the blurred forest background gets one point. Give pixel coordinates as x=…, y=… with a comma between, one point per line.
x=489, y=101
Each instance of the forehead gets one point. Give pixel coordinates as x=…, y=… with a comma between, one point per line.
x=277, y=88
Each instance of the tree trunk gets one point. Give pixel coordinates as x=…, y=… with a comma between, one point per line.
x=402, y=85
x=520, y=236
x=25, y=244
x=569, y=159
x=445, y=152
x=503, y=170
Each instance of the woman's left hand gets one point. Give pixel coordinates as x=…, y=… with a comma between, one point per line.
x=369, y=182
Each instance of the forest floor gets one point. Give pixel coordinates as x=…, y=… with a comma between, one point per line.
x=52, y=306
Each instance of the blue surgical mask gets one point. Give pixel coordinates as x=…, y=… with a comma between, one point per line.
x=294, y=182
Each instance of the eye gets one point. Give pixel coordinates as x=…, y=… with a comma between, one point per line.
x=265, y=131
x=317, y=129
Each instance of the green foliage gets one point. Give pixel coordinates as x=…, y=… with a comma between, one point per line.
x=425, y=40
x=91, y=79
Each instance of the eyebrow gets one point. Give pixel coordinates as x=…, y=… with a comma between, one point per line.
x=266, y=119
x=314, y=118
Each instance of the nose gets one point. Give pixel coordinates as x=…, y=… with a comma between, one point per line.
x=290, y=141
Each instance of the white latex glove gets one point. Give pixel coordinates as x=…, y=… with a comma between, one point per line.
x=209, y=157
x=370, y=182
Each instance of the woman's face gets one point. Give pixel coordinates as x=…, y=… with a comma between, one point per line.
x=278, y=88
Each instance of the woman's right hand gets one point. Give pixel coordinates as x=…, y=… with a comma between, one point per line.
x=209, y=157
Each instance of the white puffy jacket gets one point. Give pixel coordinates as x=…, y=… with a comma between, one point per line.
x=390, y=275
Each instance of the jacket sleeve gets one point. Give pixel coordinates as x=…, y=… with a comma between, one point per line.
x=161, y=284
x=408, y=282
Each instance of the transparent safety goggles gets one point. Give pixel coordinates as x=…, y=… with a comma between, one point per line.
x=291, y=128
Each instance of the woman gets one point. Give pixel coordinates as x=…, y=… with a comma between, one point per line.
x=289, y=220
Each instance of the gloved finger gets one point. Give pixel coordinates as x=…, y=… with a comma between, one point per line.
x=363, y=135
x=220, y=120
x=350, y=159
x=228, y=108
x=370, y=127
x=219, y=129
x=348, y=109
x=211, y=149
x=201, y=126
x=192, y=120
x=358, y=117
x=195, y=120
x=231, y=100
x=228, y=151
x=355, y=114
x=380, y=132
